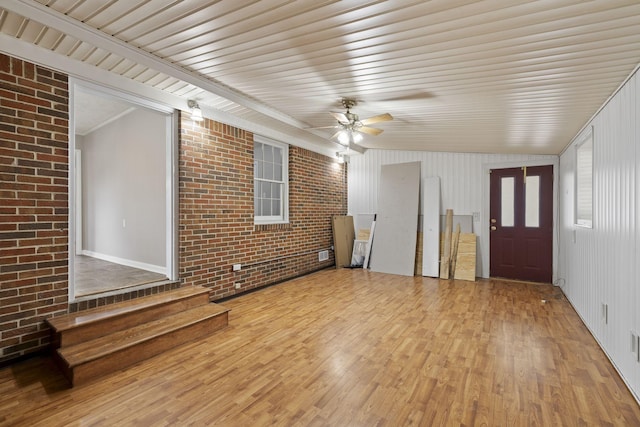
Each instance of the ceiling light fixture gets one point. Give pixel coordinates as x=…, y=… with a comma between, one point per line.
x=349, y=135
x=343, y=137
x=343, y=156
x=196, y=112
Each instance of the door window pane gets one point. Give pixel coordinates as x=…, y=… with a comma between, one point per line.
x=507, y=201
x=532, y=202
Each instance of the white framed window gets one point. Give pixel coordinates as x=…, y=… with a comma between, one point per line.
x=270, y=181
x=584, y=181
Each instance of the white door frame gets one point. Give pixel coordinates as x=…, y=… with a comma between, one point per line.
x=78, y=201
x=171, y=173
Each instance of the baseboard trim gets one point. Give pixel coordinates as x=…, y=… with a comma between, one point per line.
x=129, y=263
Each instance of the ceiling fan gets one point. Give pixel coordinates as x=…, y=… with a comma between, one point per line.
x=350, y=127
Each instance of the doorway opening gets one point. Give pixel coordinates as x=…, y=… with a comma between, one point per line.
x=122, y=195
x=521, y=223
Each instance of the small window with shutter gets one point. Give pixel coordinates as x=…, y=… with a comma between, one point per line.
x=584, y=181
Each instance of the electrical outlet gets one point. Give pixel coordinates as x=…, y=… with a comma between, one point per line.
x=237, y=285
x=237, y=267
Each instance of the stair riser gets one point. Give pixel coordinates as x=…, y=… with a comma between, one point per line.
x=114, y=361
x=119, y=323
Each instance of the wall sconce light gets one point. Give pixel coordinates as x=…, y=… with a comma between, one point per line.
x=343, y=156
x=196, y=112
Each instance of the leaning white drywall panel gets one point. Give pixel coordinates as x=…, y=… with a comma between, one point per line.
x=431, y=226
x=394, y=244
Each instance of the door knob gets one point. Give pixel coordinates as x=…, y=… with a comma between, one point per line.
x=493, y=221
x=493, y=228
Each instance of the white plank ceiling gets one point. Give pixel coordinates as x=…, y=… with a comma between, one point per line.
x=491, y=76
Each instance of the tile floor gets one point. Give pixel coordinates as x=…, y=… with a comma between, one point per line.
x=94, y=276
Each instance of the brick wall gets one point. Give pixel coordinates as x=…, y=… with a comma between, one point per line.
x=33, y=203
x=215, y=219
x=216, y=212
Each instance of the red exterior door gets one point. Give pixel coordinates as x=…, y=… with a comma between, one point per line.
x=521, y=223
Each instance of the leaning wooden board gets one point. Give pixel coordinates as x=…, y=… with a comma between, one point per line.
x=466, y=257
x=343, y=237
x=446, y=250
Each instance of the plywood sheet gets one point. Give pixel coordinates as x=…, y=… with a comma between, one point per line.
x=363, y=221
x=465, y=221
x=343, y=237
x=394, y=244
x=363, y=234
x=419, y=254
x=454, y=250
x=445, y=263
x=466, y=257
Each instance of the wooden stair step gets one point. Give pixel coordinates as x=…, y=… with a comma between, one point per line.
x=78, y=327
x=87, y=360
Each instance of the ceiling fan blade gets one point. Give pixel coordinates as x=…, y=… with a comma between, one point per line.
x=377, y=119
x=341, y=117
x=324, y=127
x=370, y=131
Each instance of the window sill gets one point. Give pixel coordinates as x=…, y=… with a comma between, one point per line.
x=584, y=225
x=272, y=227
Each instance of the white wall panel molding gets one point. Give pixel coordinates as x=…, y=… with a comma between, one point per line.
x=632, y=75
x=598, y=266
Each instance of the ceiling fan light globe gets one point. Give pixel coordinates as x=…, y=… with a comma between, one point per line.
x=357, y=137
x=343, y=138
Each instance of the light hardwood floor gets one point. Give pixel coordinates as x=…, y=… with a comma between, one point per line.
x=354, y=348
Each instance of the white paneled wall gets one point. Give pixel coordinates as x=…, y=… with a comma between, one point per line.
x=462, y=178
x=598, y=266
